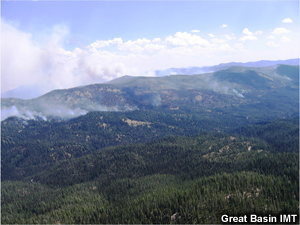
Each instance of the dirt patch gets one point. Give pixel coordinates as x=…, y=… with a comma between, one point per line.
x=199, y=98
x=135, y=123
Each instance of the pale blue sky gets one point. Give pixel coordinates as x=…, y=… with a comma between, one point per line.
x=93, y=20
x=60, y=44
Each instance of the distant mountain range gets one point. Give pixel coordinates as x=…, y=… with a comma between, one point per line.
x=222, y=66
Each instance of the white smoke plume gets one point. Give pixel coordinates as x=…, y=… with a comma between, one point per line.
x=49, y=111
x=27, y=63
x=29, y=114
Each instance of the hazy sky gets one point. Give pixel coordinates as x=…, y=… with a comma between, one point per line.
x=62, y=44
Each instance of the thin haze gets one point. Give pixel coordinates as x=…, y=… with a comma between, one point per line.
x=62, y=44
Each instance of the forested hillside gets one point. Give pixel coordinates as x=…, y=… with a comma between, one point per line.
x=171, y=152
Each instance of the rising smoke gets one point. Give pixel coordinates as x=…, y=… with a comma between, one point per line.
x=46, y=112
x=28, y=114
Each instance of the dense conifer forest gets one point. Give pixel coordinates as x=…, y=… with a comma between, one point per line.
x=177, y=179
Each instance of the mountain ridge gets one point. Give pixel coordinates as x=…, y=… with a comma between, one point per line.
x=234, y=85
x=34, y=91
